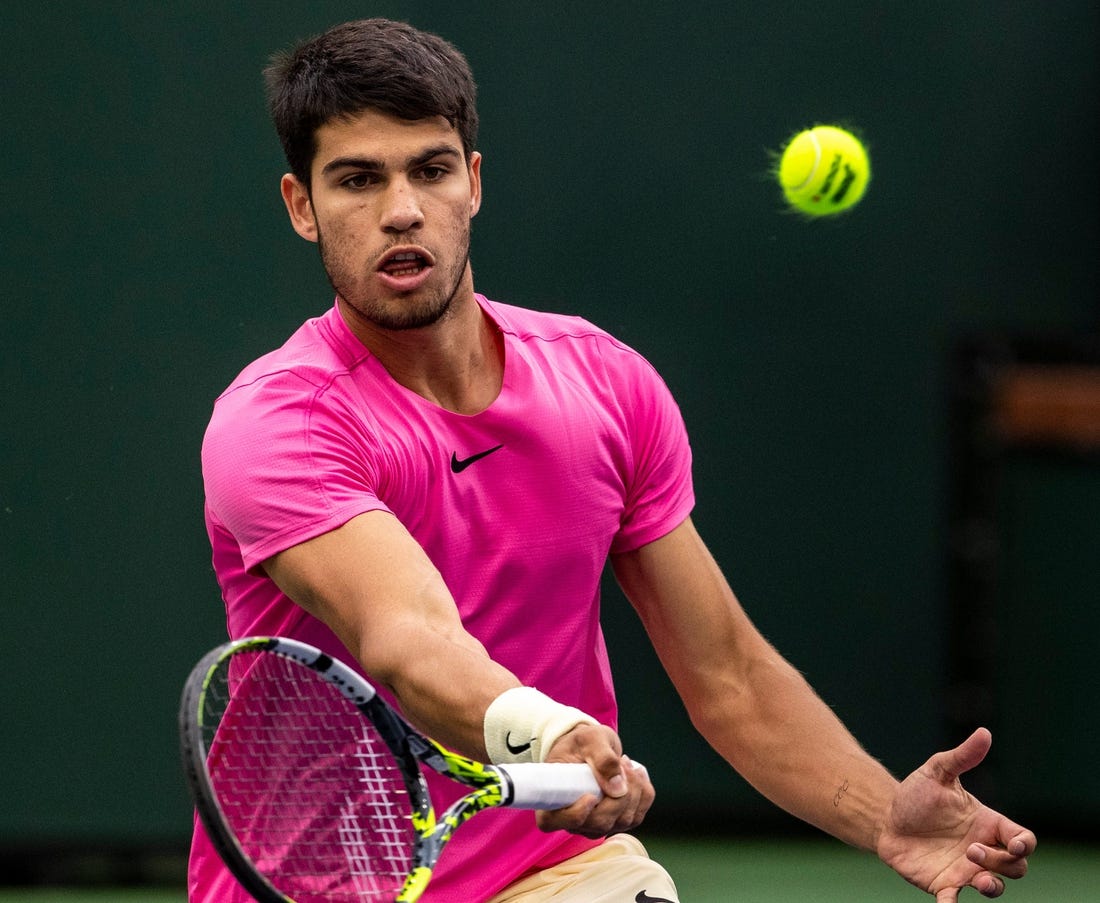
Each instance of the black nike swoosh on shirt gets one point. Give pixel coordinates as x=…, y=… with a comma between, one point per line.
x=643, y=897
x=457, y=466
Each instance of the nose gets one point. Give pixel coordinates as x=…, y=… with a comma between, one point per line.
x=401, y=210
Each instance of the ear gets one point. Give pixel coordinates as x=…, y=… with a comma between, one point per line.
x=299, y=207
x=475, y=183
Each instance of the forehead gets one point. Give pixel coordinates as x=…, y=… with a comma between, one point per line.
x=381, y=137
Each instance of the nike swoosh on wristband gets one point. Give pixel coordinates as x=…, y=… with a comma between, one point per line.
x=457, y=466
x=643, y=897
x=516, y=750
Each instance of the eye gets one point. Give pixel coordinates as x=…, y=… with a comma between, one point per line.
x=434, y=172
x=358, y=181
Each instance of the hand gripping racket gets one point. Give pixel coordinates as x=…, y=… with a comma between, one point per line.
x=309, y=784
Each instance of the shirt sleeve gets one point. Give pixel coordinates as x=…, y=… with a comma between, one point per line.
x=660, y=493
x=278, y=469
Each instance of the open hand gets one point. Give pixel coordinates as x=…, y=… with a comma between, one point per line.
x=941, y=839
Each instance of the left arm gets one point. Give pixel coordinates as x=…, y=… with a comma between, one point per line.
x=748, y=702
x=759, y=713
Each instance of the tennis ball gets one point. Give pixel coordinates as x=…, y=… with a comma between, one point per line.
x=824, y=170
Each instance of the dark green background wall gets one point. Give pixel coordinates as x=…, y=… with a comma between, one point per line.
x=146, y=258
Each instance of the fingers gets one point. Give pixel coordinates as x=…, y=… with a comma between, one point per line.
x=627, y=811
x=1000, y=863
x=984, y=883
x=1011, y=862
x=627, y=791
x=611, y=814
x=601, y=748
x=947, y=766
x=1023, y=844
x=611, y=775
x=995, y=864
x=571, y=818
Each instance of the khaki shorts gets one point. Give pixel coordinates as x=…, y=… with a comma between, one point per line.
x=617, y=871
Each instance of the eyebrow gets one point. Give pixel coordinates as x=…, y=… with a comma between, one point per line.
x=369, y=163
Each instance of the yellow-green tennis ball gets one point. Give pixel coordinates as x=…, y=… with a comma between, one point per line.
x=824, y=170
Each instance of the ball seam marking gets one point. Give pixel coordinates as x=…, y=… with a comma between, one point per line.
x=812, y=135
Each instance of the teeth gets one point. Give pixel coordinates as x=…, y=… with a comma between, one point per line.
x=407, y=263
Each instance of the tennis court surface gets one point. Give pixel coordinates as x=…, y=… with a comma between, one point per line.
x=750, y=871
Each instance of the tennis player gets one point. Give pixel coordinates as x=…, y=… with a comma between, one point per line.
x=433, y=481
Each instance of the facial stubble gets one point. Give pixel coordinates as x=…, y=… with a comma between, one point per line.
x=410, y=311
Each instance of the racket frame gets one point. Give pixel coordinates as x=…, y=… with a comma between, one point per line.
x=391, y=728
x=541, y=786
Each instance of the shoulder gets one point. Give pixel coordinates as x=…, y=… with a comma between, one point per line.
x=568, y=332
x=314, y=355
x=307, y=365
x=578, y=353
x=276, y=396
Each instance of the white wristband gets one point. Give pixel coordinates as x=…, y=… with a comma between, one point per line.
x=522, y=724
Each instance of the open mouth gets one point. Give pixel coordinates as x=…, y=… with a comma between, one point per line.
x=404, y=264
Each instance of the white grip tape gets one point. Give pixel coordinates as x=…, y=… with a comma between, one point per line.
x=552, y=785
x=522, y=725
x=549, y=785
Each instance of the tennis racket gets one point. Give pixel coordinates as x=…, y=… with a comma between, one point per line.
x=310, y=785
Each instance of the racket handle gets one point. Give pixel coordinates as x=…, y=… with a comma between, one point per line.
x=548, y=785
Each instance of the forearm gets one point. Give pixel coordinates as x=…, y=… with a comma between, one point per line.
x=780, y=736
x=372, y=585
x=444, y=684
x=753, y=707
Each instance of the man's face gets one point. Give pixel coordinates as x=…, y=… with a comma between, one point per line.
x=390, y=206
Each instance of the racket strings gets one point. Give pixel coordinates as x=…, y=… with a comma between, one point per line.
x=386, y=813
x=310, y=790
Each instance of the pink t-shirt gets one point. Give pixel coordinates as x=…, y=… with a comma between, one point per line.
x=583, y=453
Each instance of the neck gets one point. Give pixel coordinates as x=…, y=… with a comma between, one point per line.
x=456, y=363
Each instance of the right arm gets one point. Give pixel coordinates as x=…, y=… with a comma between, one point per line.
x=376, y=588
